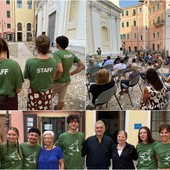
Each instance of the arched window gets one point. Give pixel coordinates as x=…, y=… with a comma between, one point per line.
x=28, y=27
x=105, y=34
x=19, y=26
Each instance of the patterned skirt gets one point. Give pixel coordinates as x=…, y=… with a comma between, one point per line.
x=39, y=100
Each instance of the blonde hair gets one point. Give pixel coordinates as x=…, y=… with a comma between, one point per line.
x=102, y=76
x=48, y=132
x=122, y=132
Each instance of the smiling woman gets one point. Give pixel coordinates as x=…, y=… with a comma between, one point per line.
x=146, y=155
x=162, y=149
x=11, y=157
x=51, y=157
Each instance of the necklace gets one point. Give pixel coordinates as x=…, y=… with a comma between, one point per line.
x=46, y=157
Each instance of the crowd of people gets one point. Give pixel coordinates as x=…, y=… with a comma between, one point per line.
x=145, y=67
x=47, y=75
x=99, y=150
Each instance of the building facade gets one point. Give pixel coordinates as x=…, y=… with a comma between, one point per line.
x=130, y=121
x=6, y=27
x=55, y=18
x=103, y=27
x=44, y=120
x=143, y=26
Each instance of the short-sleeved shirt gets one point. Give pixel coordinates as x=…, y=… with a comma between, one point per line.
x=163, y=152
x=11, y=160
x=98, y=154
x=40, y=72
x=49, y=159
x=30, y=155
x=11, y=77
x=71, y=145
x=66, y=58
x=146, y=156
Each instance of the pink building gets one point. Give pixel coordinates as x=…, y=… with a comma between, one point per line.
x=6, y=30
x=44, y=120
x=142, y=26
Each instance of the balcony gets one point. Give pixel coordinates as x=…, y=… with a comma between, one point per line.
x=159, y=24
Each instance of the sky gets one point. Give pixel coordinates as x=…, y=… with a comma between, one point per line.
x=125, y=3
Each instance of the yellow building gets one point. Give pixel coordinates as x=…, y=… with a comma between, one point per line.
x=130, y=121
x=23, y=19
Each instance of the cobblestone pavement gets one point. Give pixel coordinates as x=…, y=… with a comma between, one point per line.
x=75, y=97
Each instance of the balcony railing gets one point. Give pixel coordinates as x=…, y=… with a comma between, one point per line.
x=158, y=24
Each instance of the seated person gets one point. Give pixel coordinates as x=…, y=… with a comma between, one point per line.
x=154, y=94
x=103, y=83
x=108, y=61
x=117, y=60
x=118, y=67
x=135, y=72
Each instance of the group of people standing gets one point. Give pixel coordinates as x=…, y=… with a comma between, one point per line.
x=48, y=75
x=71, y=148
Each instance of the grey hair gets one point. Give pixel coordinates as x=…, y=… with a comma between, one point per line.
x=48, y=132
x=100, y=122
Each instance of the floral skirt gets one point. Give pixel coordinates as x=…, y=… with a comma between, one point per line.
x=39, y=100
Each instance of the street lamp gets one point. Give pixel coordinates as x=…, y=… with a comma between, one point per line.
x=2, y=25
x=148, y=29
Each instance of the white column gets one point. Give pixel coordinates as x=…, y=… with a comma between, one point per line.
x=118, y=35
x=96, y=30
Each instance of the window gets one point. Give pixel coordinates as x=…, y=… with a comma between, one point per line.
x=158, y=19
x=127, y=13
x=8, y=14
x=29, y=4
x=153, y=21
x=122, y=13
x=158, y=6
x=134, y=23
x=149, y=11
x=7, y=1
x=19, y=3
x=154, y=35
x=124, y=36
x=8, y=25
x=134, y=12
x=141, y=37
x=19, y=26
x=157, y=117
x=128, y=36
x=28, y=27
x=135, y=36
x=140, y=10
x=157, y=34
x=153, y=9
x=122, y=24
x=158, y=46
x=127, y=24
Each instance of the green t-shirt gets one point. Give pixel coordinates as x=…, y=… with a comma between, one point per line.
x=11, y=77
x=30, y=155
x=40, y=72
x=12, y=160
x=71, y=145
x=163, y=153
x=146, y=156
x=67, y=59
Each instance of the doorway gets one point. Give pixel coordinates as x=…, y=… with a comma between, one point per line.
x=114, y=121
x=56, y=124
x=19, y=36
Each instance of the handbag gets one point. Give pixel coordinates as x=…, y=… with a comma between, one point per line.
x=2, y=99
